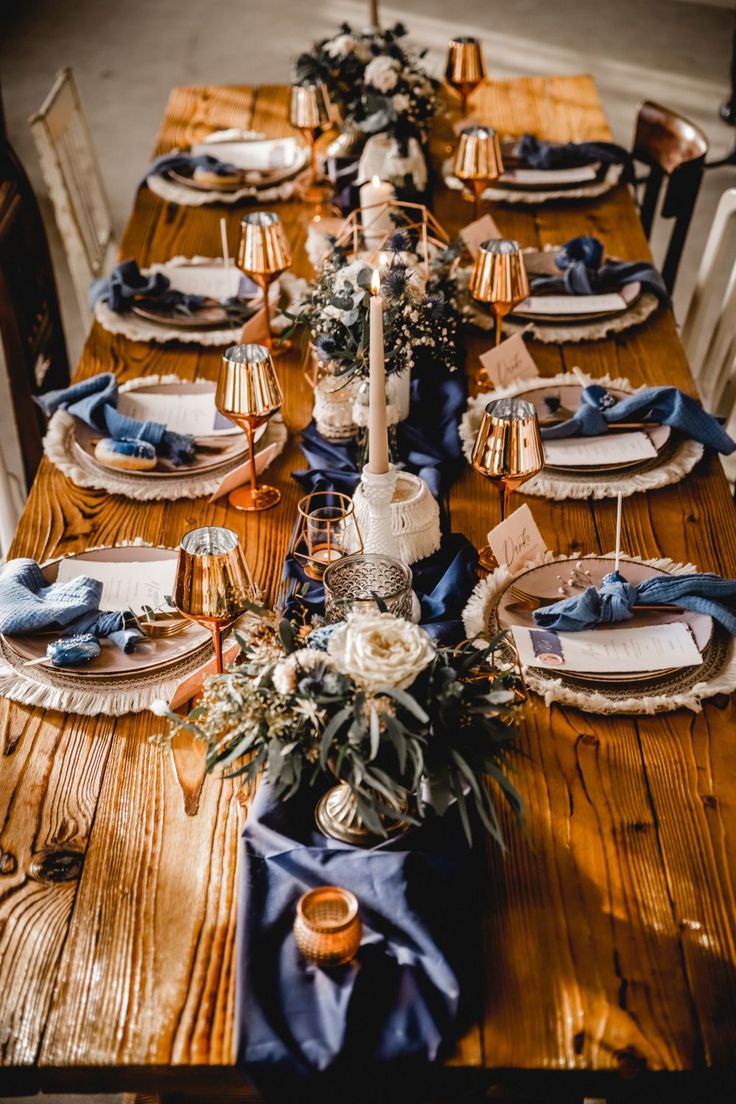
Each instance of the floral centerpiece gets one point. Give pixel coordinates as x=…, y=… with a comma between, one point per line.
x=404, y=725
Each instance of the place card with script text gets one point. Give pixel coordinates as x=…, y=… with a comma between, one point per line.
x=517, y=540
x=475, y=233
x=508, y=362
x=239, y=476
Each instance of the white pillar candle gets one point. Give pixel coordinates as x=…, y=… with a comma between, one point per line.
x=377, y=425
x=375, y=196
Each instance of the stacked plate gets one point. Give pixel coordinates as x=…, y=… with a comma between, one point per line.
x=260, y=164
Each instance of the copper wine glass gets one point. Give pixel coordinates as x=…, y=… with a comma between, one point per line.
x=478, y=161
x=263, y=254
x=213, y=584
x=248, y=393
x=309, y=111
x=466, y=67
x=499, y=277
x=508, y=450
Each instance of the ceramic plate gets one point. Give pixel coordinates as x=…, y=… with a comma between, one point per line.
x=630, y=294
x=212, y=317
x=112, y=662
x=250, y=178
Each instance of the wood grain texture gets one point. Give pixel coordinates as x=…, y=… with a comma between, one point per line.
x=609, y=926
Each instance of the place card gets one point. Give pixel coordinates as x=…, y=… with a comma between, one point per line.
x=194, y=414
x=126, y=585
x=609, y=303
x=609, y=651
x=475, y=233
x=213, y=280
x=508, y=362
x=611, y=448
x=240, y=475
x=259, y=155
x=255, y=330
x=517, y=540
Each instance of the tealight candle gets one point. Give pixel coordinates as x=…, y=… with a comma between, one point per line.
x=377, y=423
x=375, y=199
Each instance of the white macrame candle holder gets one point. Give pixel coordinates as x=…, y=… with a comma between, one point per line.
x=414, y=517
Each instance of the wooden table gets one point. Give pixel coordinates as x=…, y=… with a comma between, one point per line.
x=609, y=947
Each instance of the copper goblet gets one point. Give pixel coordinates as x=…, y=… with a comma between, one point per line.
x=213, y=584
x=478, y=161
x=508, y=451
x=309, y=111
x=466, y=67
x=263, y=254
x=499, y=277
x=248, y=393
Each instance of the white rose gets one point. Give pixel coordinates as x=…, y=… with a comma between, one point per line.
x=401, y=102
x=340, y=46
x=382, y=73
x=378, y=649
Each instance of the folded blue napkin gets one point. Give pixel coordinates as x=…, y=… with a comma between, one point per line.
x=94, y=402
x=186, y=162
x=563, y=155
x=598, y=409
x=30, y=604
x=615, y=599
x=582, y=273
x=127, y=285
x=306, y=1028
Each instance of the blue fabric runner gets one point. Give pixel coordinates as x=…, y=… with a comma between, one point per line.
x=303, y=1028
x=598, y=409
x=562, y=155
x=94, y=402
x=615, y=599
x=583, y=273
x=30, y=604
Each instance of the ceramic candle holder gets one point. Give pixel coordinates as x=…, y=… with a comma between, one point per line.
x=414, y=517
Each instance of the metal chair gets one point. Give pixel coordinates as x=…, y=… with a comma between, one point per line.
x=709, y=333
x=674, y=149
x=72, y=176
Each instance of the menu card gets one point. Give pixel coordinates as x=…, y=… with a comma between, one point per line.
x=572, y=304
x=609, y=651
x=612, y=448
x=578, y=175
x=213, y=280
x=195, y=414
x=258, y=155
x=126, y=585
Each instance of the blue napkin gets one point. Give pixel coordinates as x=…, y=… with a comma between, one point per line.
x=582, y=273
x=186, y=162
x=94, y=402
x=562, y=155
x=615, y=599
x=30, y=604
x=303, y=1027
x=598, y=409
x=127, y=285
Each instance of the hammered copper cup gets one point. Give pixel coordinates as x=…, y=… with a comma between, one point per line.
x=327, y=927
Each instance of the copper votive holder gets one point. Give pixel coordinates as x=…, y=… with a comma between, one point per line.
x=327, y=926
x=327, y=529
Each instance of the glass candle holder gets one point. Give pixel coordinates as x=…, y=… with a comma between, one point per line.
x=327, y=531
x=353, y=583
x=327, y=927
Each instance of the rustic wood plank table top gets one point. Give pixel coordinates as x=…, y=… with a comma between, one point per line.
x=609, y=943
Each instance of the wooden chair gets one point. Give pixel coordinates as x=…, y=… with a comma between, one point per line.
x=709, y=333
x=32, y=349
x=674, y=149
x=75, y=185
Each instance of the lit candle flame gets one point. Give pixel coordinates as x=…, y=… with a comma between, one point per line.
x=375, y=282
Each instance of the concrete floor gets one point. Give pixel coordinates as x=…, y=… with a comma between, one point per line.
x=127, y=55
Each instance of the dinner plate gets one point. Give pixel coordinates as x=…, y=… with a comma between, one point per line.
x=148, y=658
x=247, y=178
x=569, y=401
x=544, y=582
x=630, y=294
x=203, y=318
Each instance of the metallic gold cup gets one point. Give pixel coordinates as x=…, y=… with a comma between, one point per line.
x=499, y=277
x=248, y=393
x=213, y=581
x=263, y=254
x=466, y=67
x=478, y=161
x=327, y=928
x=309, y=111
x=508, y=451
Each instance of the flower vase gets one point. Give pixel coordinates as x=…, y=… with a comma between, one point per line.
x=337, y=816
x=334, y=397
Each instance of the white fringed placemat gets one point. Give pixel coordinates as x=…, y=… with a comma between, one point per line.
x=671, y=467
x=180, y=194
x=686, y=689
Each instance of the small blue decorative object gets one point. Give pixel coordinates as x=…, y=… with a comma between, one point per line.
x=127, y=453
x=72, y=651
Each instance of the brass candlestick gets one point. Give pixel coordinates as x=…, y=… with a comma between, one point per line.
x=213, y=581
x=248, y=393
x=263, y=254
x=499, y=277
x=508, y=451
x=309, y=111
x=478, y=161
x=466, y=67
